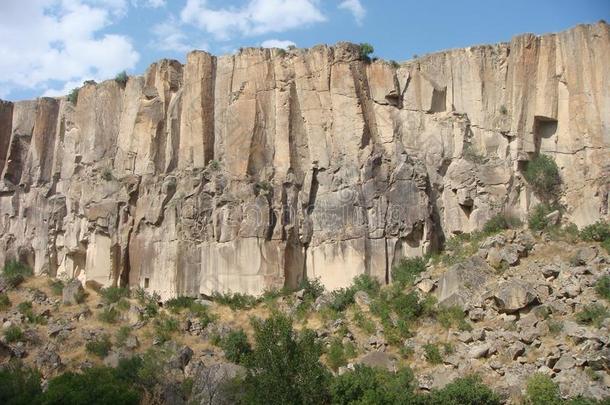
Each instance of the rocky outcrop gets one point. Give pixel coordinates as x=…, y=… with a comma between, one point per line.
x=249, y=171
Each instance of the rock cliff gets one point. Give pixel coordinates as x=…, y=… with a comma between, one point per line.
x=249, y=171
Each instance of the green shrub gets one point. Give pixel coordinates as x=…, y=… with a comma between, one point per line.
x=57, y=286
x=13, y=334
x=122, y=335
x=432, y=354
x=149, y=302
x=341, y=299
x=453, y=316
x=313, y=288
x=122, y=78
x=537, y=220
x=73, y=96
x=407, y=270
x=541, y=390
x=112, y=295
x=500, y=222
x=503, y=110
x=366, y=50
x=593, y=314
x=100, y=346
x=202, y=313
x=19, y=385
x=337, y=353
x=5, y=302
x=467, y=390
x=367, y=385
x=543, y=175
x=177, y=304
x=107, y=174
x=97, y=385
x=235, y=301
x=15, y=273
x=27, y=310
x=598, y=232
x=366, y=283
x=364, y=322
x=109, y=315
x=236, y=346
x=284, y=366
x=606, y=245
x=164, y=327
x=602, y=287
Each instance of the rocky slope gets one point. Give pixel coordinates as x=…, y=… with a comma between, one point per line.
x=250, y=171
x=519, y=319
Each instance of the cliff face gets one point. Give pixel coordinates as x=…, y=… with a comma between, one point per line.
x=249, y=171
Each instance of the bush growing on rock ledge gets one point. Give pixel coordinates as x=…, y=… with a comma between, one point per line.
x=543, y=175
x=366, y=50
x=15, y=273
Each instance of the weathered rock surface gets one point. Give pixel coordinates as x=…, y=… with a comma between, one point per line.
x=250, y=171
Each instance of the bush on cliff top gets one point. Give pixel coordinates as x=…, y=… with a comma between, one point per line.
x=542, y=174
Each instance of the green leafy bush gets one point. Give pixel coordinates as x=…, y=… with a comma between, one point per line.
x=13, y=334
x=432, y=354
x=500, y=222
x=19, y=385
x=602, y=287
x=593, y=314
x=149, y=302
x=364, y=322
x=97, y=385
x=5, y=302
x=236, y=346
x=122, y=335
x=537, y=220
x=202, y=313
x=112, y=295
x=57, y=286
x=177, y=304
x=366, y=283
x=543, y=175
x=366, y=50
x=313, y=288
x=342, y=298
x=109, y=315
x=122, y=78
x=27, y=310
x=235, y=301
x=15, y=273
x=367, y=385
x=100, y=346
x=598, y=232
x=453, y=316
x=164, y=327
x=338, y=353
x=407, y=270
x=467, y=390
x=541, y=390
x=73, y=96
x=284, y=366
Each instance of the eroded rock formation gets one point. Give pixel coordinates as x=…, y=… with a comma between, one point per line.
x=246, y=172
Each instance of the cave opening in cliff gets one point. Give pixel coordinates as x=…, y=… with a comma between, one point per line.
x=545, y=129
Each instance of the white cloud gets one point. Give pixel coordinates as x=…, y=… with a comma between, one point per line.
x=276, y=43
x=46, y=42
x=170, y=37
x=354, y=7
x=256, y=17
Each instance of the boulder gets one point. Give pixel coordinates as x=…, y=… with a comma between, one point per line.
x=514, y=295
x=72, y=292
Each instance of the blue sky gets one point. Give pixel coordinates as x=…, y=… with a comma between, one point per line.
x=51, y=46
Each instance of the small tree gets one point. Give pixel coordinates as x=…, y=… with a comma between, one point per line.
x=284, y=368
x=73, y=96
x=122, y=78
x=366, y=50
x=236, y=346
x=543, y=175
